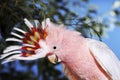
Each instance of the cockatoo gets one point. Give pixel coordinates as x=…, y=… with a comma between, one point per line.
x=82, y=58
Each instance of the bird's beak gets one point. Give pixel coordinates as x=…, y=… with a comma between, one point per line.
x=54, y=59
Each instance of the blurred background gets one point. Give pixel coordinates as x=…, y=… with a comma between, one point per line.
x=97, y=19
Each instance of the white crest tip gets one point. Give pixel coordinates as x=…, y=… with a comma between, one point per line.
x=17, y=29
x=7, y=54
x=12, y=48
x=13, y=39
x=27, y=22
x=45, y=23
x=36, y=23
x=17, y=35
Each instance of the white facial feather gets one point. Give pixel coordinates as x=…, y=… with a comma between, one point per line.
x=45, y=23
x=44, y=46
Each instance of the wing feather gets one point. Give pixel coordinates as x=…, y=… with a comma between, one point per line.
x=106, y=58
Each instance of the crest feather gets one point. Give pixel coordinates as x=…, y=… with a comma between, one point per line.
x=28, y=47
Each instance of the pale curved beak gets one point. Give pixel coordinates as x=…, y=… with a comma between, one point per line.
x=53, y=58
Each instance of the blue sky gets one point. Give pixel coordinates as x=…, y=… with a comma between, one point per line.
x=113, y=39
x=104, y=8
x=103, y=5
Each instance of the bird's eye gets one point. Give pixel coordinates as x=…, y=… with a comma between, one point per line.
x=54, y=47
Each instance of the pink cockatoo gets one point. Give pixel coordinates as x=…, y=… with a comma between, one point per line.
x=82, y=58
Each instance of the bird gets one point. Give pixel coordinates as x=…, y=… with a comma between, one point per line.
x=82, y=58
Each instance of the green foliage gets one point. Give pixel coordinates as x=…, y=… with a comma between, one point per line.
x=12, y=13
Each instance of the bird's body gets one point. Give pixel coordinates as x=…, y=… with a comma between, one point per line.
x=83, y=65
x=82, y=58
x=76, y=58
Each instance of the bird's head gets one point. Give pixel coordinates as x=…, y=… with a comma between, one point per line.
x=39, y=42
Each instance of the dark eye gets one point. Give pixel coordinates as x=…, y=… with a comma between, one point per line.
x=54, y=47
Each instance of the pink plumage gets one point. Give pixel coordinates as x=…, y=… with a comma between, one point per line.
x=75, y=55
x=82, y=58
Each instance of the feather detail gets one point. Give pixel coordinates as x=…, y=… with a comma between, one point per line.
x=70, y=74
x=17, y=29
x=29, y=45
x=13, y=39
x=45, y=23
x=6, y=61
x=28, y=24
x=31, y=57
x=12, y=58
x=106, y=58
x=41, y=54
x=17, y=35
x=30, y=48
x=12, y=48
x=36, y=23
x=10, y=53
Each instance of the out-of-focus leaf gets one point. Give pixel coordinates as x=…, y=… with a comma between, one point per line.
x=118, y=24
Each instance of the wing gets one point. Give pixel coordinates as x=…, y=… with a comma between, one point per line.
x=106, y=58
